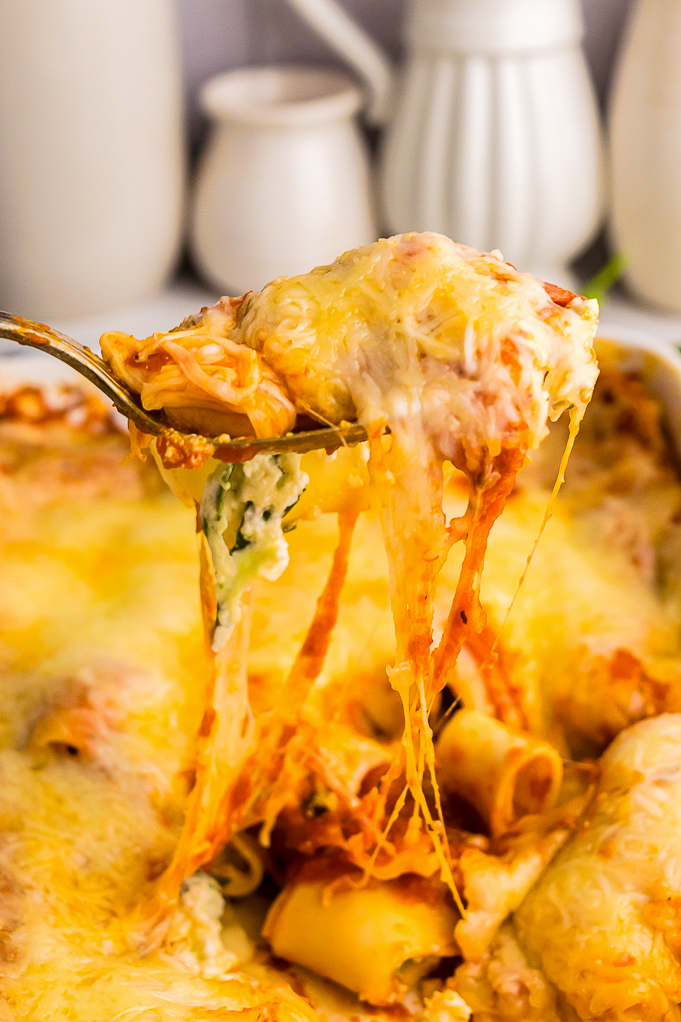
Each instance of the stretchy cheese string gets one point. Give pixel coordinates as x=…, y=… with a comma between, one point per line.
x=487, y=507
x=225, y=737
x=429, y=757
x=408, y=502
x=466, y=613
x=576, y=416
x=307, y=667
x=240, y=521
x=310, y=659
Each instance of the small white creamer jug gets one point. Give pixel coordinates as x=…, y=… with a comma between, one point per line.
x=283, y=184
x=493, y=135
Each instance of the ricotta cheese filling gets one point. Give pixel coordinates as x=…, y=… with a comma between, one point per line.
x=241, y=513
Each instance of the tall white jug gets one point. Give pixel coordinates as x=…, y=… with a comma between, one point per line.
x=91, y=153
x=645, y=130
x=493, y=136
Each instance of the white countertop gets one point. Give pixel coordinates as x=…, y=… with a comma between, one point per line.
x=165, y=310
x=618, y=314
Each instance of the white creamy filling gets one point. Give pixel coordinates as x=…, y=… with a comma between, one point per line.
x=241, y=511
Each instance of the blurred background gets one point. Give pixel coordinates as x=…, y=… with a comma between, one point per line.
x=219, y=35
x=155, y=154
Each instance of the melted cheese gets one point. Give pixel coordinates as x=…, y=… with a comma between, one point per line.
x=102, y=652
x=464, y=359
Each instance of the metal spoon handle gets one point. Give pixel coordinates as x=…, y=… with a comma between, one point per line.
x=94, y=369
x=80, y=358
x=329, y=438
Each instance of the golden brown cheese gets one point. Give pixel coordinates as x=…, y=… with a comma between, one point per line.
x=85, y=830
x=347, y=340
x=101, y=655
x=413, y=318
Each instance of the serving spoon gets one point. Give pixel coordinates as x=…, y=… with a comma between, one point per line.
x=95, y=369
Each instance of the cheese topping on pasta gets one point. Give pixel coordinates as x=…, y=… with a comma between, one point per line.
x=487, y=352
x=465, y=360
x=130, y=750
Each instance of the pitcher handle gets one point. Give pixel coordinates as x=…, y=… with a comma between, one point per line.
x=353, y=44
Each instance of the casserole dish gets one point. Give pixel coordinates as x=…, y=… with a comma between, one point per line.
x=87, y=708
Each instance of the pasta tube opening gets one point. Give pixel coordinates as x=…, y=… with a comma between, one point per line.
x=505, y=774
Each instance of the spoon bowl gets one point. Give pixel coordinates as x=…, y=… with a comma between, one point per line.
x=96, y=370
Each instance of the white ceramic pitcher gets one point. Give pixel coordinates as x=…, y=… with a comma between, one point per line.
x=283, y=184
x=493, y=135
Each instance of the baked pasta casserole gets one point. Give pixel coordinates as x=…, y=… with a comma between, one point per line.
x=339, y=736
